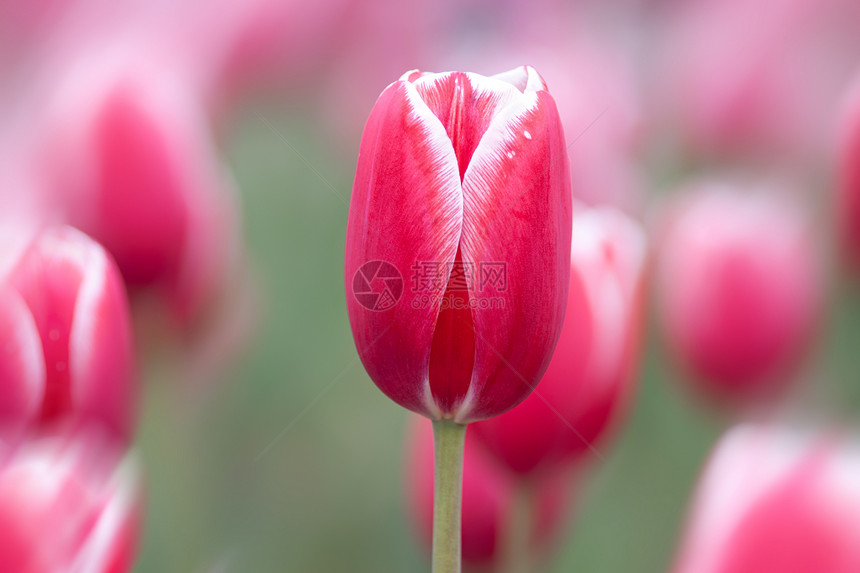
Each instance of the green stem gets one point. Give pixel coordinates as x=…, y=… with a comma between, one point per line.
x=517, y=550
x=449, y=439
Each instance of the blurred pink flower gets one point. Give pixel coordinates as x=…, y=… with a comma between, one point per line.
x=739, y=287
x=776, y=500
x=236, y=48
x=589, y=381
x=754, y=79
x=848, y=197
x=488, y=493
x=66, y=336
x=127, y=157
x=68, y=504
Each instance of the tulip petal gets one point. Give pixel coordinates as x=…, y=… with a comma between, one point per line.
x=406, y=209
x=22, y=368
x=78, y=303
x=465, y=104
x=517, y=213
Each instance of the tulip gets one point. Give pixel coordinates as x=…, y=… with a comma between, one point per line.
x=65, y=332
x=462, y=182
x=489, y=501
x=739, y=288
x=769, y=92
x=456, y=173
x=849, y=186
x=128, y=159
x=589, y=381
x=68, y=504
x=774, y=499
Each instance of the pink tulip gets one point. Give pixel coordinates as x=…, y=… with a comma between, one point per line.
x=589, y=381
x=68, y=504
x=66, y=337
x=244, y=46
x=487, y=500
x=128, y=159
x=848, y=202
x=462, y=187
x=776, y=500
x=739, y=288
x=767, y=92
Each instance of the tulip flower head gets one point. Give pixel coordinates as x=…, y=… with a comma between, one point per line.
x=458, y=241
x=772, y=499
x=66, y=337
x=488, y=493
x=589, y=380
x=739, y=289
x=129, y=161
x=68, y=504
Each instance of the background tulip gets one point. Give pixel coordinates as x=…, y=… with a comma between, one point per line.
x=739, y=288
x=766, y=95
x=68, y=504
x=488, y=501
x=65, y=320
x=22, y=367
x=128, y=159
x=590, y=378
x=848, y=202
x=775, y=499
x=459, y=172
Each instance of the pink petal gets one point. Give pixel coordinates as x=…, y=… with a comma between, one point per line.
x=517, y=211
x=406, y=208
x=78, y=302
x=22, y=367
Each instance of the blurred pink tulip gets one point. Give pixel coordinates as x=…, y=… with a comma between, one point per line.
x=66, y=337
x=765, y=93
x=487, y=500
x=240, y=47
x=68, y=504
x=462, y=182
x=589, y=381
x=776, y=500
x=128, y=159
x=740, y=288
x=848, y=202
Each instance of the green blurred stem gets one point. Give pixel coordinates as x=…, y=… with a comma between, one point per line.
x=448, y=439
x=517, y=552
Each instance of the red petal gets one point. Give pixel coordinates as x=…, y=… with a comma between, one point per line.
x=517, y=212
x=406, y=208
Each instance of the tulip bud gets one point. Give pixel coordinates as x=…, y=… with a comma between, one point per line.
x=68, y=504
x=739, y=288
x=488, y=494
x=129, y=161
x=66, y=337
x=462, y=187
x=849, y=186
x=771, y=499
x=590, y=378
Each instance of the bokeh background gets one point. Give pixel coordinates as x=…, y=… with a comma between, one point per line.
x=287, y=457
